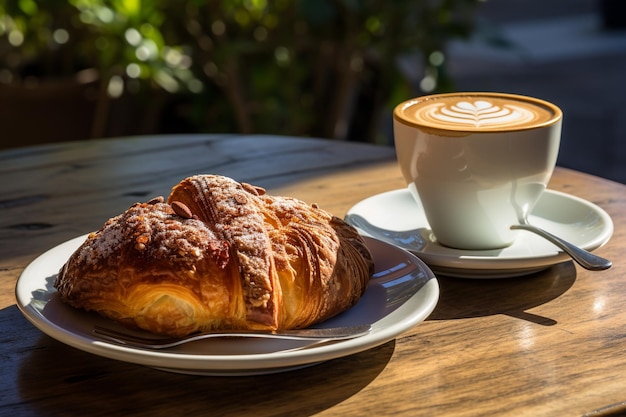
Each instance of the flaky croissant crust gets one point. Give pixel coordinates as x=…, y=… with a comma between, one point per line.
x=218, y=254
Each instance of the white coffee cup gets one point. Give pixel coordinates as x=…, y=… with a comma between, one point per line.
x=477, y=162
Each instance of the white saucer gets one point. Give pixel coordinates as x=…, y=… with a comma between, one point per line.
x=402, y=292
x=397, y=218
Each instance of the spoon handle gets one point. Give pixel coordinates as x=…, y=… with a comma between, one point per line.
x=584, y=258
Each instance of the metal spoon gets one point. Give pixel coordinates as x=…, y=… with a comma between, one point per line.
x=584, y=258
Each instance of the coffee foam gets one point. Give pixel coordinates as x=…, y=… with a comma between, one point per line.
x=479, y=112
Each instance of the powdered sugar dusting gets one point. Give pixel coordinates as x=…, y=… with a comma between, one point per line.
x=153, y=230
x=288, y=208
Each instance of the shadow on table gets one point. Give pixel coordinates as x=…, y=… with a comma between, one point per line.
x=54, y=379
x=466, y=298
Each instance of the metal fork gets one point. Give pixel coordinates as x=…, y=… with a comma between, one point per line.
x=327, y=334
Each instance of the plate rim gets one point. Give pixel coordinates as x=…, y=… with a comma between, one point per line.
x=470, y=264
x=241, y=364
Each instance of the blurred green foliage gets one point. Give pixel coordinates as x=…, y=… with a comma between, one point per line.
x=327, y=68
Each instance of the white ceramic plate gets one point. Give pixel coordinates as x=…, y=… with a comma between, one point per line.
x=397, y=218
x=401, y=294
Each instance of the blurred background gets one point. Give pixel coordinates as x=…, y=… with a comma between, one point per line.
x=80, y=69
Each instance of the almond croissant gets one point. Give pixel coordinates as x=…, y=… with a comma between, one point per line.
x=218, y=255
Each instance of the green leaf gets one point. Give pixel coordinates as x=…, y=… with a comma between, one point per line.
x=129, y=8
x=29, y=7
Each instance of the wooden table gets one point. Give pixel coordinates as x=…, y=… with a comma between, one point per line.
x=550, y=344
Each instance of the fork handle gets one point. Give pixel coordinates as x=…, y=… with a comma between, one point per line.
x=333, y=333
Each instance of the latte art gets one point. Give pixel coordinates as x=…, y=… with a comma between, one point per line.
x=479, y=113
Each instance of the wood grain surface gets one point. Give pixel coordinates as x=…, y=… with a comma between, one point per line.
x=549, y=344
